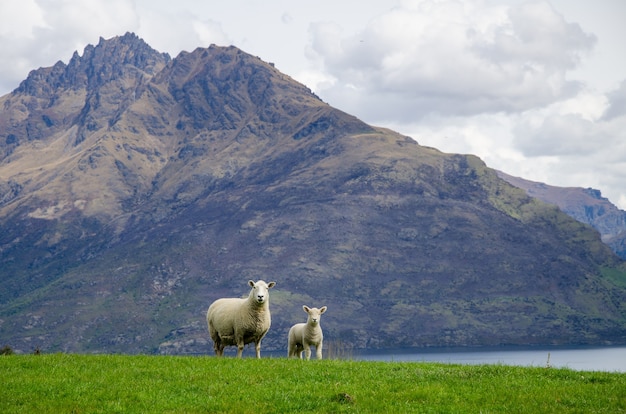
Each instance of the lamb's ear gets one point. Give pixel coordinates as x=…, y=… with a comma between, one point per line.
x=323, y=309
x=271, y=285
x=306, y=308
x=251, y=283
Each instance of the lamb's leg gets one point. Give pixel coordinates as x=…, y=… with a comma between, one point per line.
x=296, y=351
x=307, y=351
x=257, y=347
x=318, y=351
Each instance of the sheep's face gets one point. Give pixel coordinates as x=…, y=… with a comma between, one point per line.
x=260, y=290
x=314, y=314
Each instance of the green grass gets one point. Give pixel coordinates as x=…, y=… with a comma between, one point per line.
x=62, y=383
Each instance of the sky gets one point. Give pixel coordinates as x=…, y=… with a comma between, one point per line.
x=535, y=88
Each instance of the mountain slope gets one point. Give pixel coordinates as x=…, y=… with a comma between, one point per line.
x=157, y=185
x=585, y=205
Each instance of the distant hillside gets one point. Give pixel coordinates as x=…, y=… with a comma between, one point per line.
x=136, y=188
x=585, y=205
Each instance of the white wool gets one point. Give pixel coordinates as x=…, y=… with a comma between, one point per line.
x=304, y=335
x=235, y=321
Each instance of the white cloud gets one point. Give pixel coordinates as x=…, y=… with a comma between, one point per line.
x=38, y=34
x=536, y=35
x=286, y=18
x=19, y=19
x=569, y=143
x=167, y=27
x=617, y=103
x=210, y=32
x=453, y=57
x=586, y=148
x=18, y=24
x=560, y=135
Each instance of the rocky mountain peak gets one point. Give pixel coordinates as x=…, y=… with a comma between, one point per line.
x=220, y=87
x=110, y=59
x=97, y=85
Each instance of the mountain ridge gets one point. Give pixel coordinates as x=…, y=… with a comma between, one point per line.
x=159, y=185
x=585, y=205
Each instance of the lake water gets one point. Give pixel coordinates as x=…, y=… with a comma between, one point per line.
x=611, y=359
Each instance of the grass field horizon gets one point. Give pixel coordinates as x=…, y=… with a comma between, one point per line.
x=75, y=383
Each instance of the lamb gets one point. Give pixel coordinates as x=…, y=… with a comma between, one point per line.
x=240, y=321
x=303, y=335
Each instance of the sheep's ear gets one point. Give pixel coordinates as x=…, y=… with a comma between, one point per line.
x=323, y=309
x=251, y=283
x=306, y=308
x=271, y=285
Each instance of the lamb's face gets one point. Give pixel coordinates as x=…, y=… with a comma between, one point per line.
x=260, y=290
x=314, y=314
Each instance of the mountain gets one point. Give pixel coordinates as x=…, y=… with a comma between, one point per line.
x=585, y=205
x=136, y=188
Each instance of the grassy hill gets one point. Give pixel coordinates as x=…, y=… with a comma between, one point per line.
x=137, y=384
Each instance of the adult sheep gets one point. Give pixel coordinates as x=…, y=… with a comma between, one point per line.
x=303, y=335
x=240, y=321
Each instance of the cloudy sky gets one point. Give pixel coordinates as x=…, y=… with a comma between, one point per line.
x=535, y=88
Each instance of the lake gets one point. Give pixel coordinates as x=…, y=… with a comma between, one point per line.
x=611, y=359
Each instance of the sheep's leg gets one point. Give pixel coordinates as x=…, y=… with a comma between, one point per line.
x=218, y=347
x=240, y=346
x=307, y=351
x=318, y=351
x=257, y=347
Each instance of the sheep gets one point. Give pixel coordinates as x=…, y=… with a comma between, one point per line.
x=240, y=321
x=303, y=335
